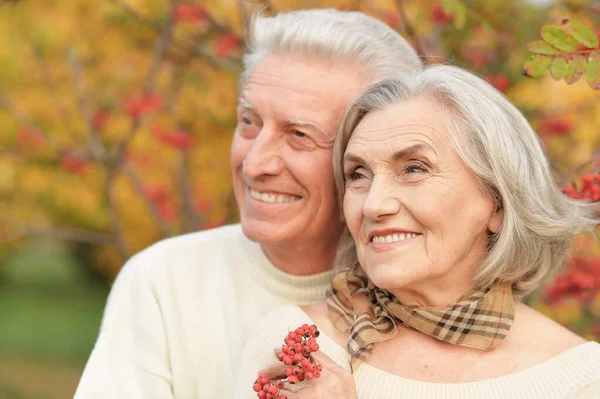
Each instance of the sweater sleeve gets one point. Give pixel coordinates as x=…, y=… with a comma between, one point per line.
x=131, y=357
x=589, y=391
x=259, y=352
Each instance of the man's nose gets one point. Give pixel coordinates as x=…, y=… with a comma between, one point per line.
x=381, y=201
x=265, y=155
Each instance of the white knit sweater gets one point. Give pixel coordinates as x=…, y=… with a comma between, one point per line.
x=572, y=374
x=178, y=315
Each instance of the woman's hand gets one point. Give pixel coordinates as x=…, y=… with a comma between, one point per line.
x=334, y=383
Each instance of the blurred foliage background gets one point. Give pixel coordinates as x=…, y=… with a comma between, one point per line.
x=115, y=123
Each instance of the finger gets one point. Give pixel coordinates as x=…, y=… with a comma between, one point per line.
x=294, y=388
x=275, y=372
x=326, y=361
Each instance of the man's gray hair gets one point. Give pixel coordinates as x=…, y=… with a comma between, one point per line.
x=499, y=146
x=330, y=34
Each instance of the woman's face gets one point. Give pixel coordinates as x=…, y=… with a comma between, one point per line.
x=417, y=214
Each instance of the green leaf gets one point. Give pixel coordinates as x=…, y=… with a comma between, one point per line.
x=580, y=32
x=576, y=68
x=541, y=47
x=449, y=6
x=559, y=67
x=559, y=38
x=458, y=10
x=593, y=70
x=536, y=65
x=460, y=17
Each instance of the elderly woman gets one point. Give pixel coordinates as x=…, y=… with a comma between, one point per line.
x=452, y=216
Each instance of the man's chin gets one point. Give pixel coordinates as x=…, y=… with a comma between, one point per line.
x=265, y=233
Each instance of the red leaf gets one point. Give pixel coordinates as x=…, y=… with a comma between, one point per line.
x=226, y=45
x=439, y=16
x=156, y=192
x=499, y=81
x=203, y=205
x=174, y=138
x=75, y=163
x=139, y=104
x=551, y=125
x=187, y=12
x=27, y=138
x=100, y=118
x=392, y=19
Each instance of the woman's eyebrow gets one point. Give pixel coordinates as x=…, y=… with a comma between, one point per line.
x=408, y=151
x=398, y=155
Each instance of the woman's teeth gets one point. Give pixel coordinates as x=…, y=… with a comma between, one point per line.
x=393, y=237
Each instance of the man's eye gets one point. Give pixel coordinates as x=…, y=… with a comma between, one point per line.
x=298, y=133
x=354, y=175
x=247, y=121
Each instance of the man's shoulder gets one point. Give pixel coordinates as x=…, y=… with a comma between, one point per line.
x=202, y=252
x=194, y=243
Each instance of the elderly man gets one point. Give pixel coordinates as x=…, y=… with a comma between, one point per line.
x=180, y=311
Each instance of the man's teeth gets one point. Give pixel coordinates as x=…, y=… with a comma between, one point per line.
x=393, y=237
x=273, y=198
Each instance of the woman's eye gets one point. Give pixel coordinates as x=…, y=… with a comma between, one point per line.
x=247, y=121
x=415, y=168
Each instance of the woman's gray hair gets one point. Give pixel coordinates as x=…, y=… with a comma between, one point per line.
x=499, y=146
x=331, y=35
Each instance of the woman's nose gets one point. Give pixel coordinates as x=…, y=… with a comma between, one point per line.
x=381, y=201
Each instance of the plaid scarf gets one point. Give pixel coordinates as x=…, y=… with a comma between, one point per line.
x=479, y=320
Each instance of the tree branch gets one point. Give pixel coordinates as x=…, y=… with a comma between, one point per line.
x=113, y=214
x=162, y=226
x=160, y=48
x=96, y=147
x=51, y=88
x=410, y=31
x=62, y=233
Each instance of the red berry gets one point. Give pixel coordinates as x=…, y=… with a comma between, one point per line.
x=293, y=380
x=305, y=327
x=317, y=374
x=287, y=360
x=309, y=376
x=263, y=378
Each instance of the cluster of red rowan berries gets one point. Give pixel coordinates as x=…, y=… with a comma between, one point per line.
x=296, y=355
x=588, y=190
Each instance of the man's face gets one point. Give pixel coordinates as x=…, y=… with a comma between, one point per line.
x=288, y=115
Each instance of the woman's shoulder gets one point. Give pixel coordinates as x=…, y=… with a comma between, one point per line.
x=539, y=338
x=280, y=320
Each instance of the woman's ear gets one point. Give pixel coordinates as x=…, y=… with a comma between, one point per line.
x=496, y=220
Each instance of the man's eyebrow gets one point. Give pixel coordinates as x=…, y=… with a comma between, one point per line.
x=298, y=122
x=244, y=103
